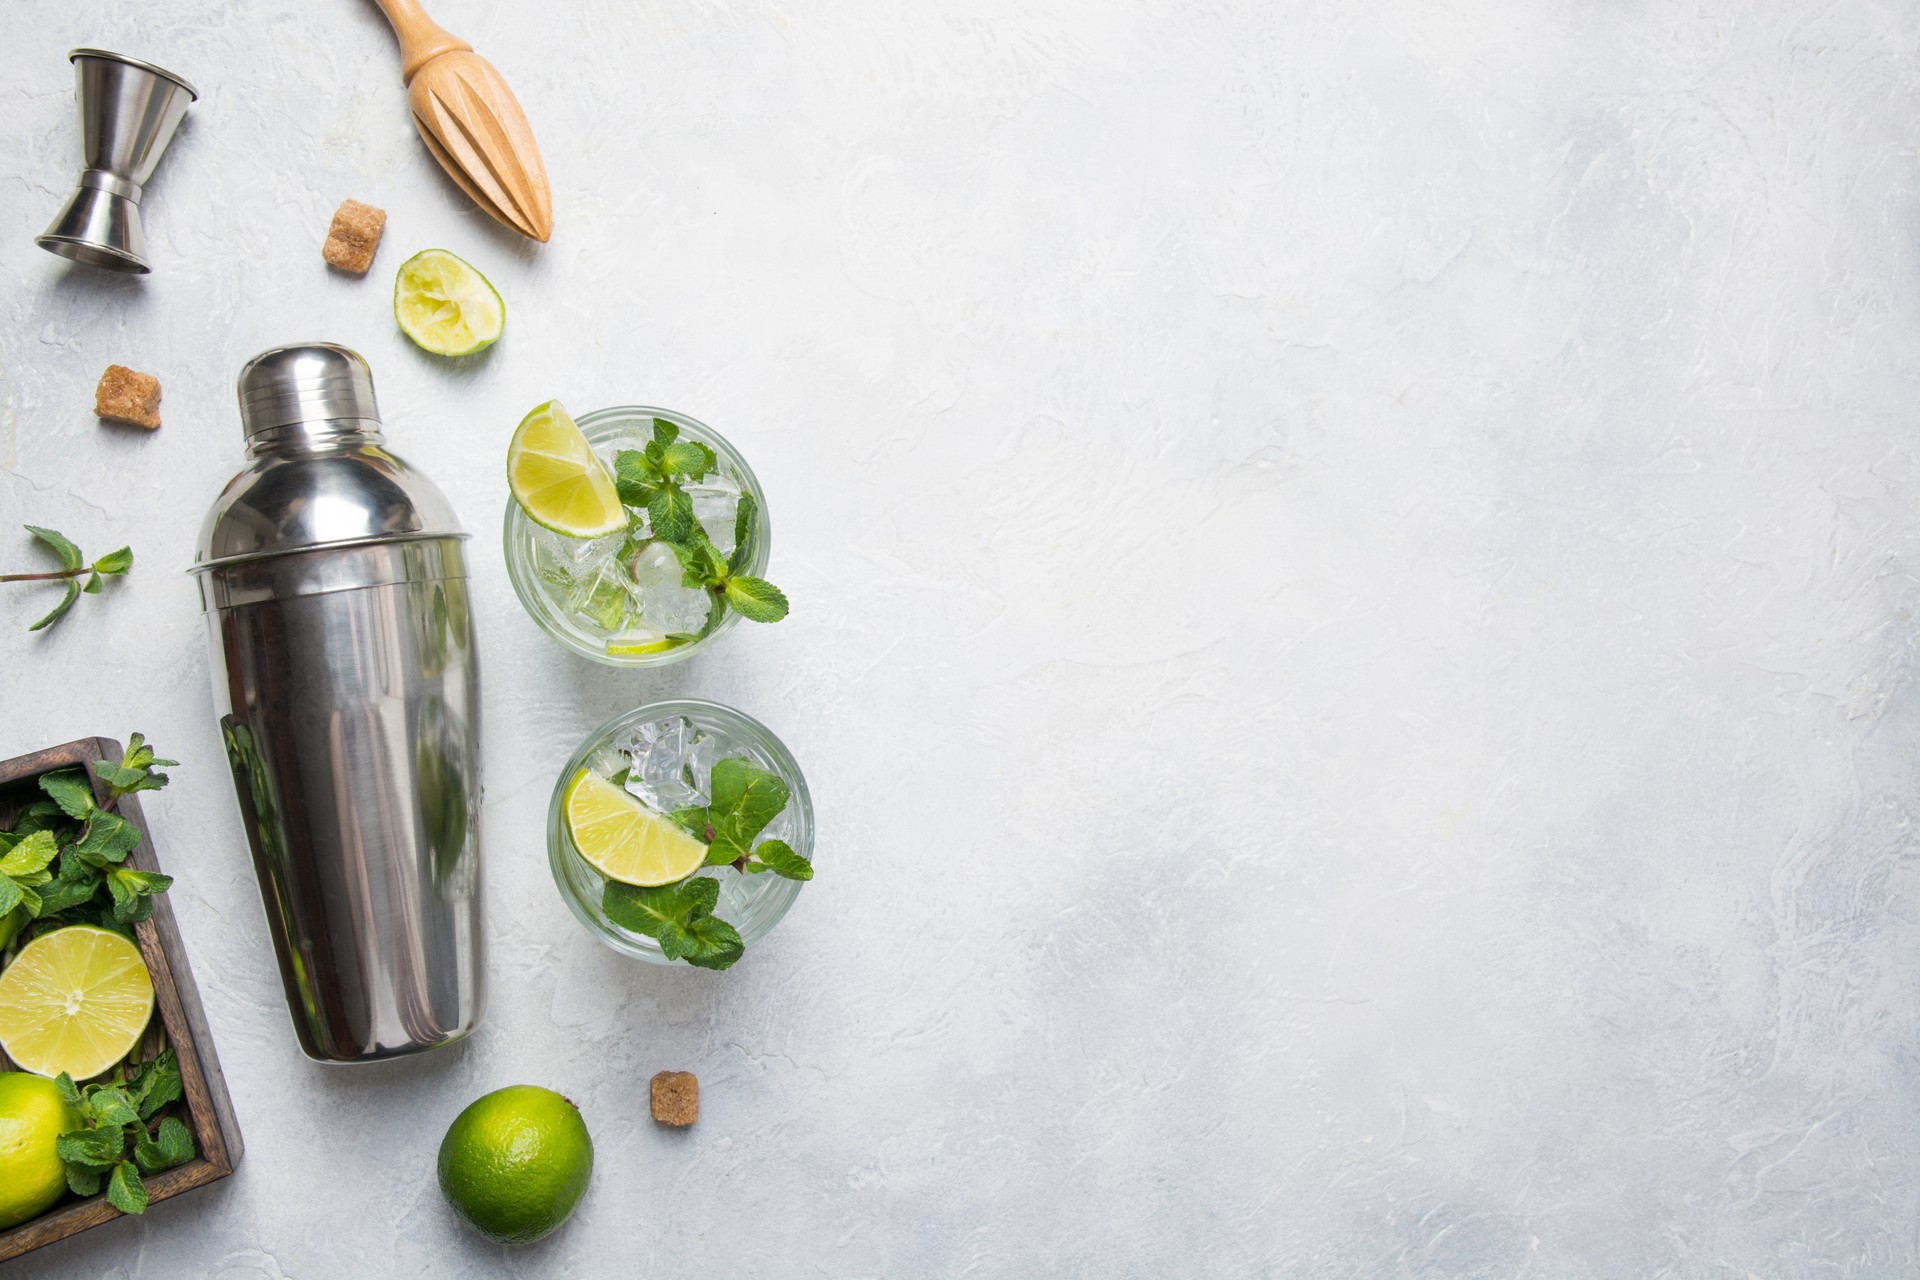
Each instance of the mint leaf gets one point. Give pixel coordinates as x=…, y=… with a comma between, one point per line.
x=70, y=790
x=91, y=1148
x=710, y=943
x=11, y=894
x=69, y=1093
x=137, y=770
x=125, y=1191
x=635, y=475
x=133, y=892
x=59, y=610
x=67, y=892
x=94, y=583
x=84, y=1181
x=745, y=798
x=156, y=1082
x=701, y=563
x=41, y=815
x=781, y=858
x=744, y=518
x=108, y=837
x=70, y=557
x=30, y=855
x=664, y=432
x=756, y=599
x=139, y=753
x=114, y=562
x=688, y=458
x=649, y=910
x=172, y=1146
x=670, y=512
x=109, y=1105
x=679, y=917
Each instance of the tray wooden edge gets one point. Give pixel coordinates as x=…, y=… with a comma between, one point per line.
x=177, y=1000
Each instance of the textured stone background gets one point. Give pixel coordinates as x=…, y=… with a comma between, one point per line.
x=1354, y=597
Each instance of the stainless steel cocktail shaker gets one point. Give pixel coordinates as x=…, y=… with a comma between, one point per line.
x=335, y=587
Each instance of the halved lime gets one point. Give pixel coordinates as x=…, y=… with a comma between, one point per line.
x=624, y=839
x=74, y=1000
x=446, y=306
x=556, y=479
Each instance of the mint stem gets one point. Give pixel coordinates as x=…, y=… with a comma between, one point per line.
x=47, y=577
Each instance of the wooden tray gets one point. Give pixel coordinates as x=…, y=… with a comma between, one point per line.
x=176, y=1004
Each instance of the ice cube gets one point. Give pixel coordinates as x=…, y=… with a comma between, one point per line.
x=602, y=602
x=660, y=751
x=715, y=501
x=781, y=828
x=568, y=562
x=664, y=603
x=737, y=893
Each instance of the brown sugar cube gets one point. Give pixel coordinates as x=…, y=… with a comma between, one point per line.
x=353, y=236
x=676, y=1098
x=126, y=396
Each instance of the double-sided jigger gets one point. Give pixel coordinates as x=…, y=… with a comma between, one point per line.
x=128, y=112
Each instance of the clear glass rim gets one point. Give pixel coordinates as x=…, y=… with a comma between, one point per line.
x=779, y=894
x=517, y=542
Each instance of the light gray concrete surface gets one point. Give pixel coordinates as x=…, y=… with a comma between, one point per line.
x=1354, y=584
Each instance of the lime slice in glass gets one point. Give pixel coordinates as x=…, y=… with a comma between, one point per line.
x=640, y=640
x=446, y=306
x=556, y=479
x=74, y=1000
x=624, y=839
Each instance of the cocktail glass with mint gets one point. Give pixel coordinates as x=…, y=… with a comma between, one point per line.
x=681, y=832
x=637, y=535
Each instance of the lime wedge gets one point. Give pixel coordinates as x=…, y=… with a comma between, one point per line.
x=624, y=839
x=446, y=306
x=74, y=1000
x=556, y=479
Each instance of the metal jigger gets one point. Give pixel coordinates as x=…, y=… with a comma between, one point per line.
x=128, y=112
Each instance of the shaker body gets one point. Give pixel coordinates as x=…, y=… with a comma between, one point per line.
x=350, y=714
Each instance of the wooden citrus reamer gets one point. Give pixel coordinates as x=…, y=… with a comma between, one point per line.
x=471, y=122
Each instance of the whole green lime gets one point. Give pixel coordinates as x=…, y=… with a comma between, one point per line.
x=32, y=1118
x=516, y=1162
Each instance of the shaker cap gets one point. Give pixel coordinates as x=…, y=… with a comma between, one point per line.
x=319, y=474
x=310, y=382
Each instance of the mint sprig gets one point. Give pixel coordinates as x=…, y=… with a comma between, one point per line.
x=117, y=1140
x=652, y=480
x=90, y=865
x=745, y=799
x=679, y=917
x=136, y=770
x=64, y=854
x=73, y=567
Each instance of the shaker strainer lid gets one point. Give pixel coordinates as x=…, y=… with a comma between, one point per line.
x=309, y=382
x=320, y=474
